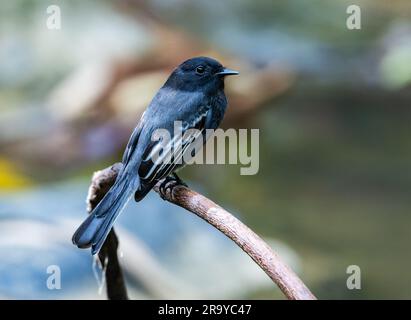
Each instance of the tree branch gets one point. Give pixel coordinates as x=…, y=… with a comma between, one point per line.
x=288, y=282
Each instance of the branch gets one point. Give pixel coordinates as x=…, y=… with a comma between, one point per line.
x=288, y=282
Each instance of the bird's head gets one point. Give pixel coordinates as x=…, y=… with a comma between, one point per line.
x=200, y=73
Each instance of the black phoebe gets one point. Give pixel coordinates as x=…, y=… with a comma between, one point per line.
x=194, y=95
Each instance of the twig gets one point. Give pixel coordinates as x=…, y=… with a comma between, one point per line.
x=289, y=283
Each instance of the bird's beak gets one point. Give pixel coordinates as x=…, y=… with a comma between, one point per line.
x=228, y=72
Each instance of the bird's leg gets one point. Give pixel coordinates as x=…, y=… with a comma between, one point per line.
x=179, y=180
x=169, y=183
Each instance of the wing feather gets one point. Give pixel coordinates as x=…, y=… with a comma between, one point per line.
x=172, y=154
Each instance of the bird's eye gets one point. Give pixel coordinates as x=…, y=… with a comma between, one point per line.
x=200, y=70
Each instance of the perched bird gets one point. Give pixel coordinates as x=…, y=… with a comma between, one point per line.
x=193, y=95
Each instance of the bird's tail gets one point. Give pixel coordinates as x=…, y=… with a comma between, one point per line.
x=94, y=230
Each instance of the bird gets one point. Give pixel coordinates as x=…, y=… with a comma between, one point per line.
x=194, y=96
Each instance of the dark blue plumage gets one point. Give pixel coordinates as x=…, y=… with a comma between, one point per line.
x=194, y=95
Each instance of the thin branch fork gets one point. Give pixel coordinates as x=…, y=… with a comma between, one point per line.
x=288, y=282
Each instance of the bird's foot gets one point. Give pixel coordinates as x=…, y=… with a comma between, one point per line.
x=168, y=184
x=179, y=180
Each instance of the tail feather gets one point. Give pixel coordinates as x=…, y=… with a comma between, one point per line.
x=94, y=230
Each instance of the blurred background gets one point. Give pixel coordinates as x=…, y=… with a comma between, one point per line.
x=332, y=106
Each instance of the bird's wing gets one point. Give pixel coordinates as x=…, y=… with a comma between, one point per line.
x=161, y=158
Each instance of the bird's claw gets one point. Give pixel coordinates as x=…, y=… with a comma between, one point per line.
x=179, y=181
x=169, y=183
